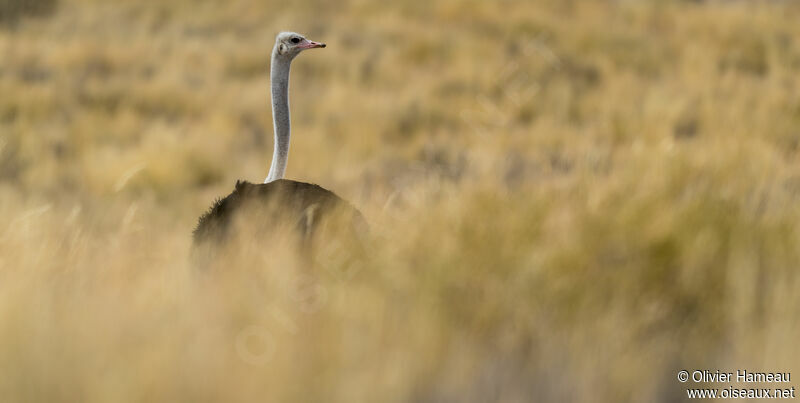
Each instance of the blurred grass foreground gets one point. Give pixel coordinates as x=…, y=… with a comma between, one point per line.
x=568, y=201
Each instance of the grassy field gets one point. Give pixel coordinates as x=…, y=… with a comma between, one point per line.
x=568, y=200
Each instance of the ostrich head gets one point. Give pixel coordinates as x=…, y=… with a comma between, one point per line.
x=290, y=44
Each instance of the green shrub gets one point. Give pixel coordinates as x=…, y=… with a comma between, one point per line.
x=12, y=10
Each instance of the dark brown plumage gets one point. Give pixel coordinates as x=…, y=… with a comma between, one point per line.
x=294, y=207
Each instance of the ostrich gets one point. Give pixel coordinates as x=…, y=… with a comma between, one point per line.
x=303, y=206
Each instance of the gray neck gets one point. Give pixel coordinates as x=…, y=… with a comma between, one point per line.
x=279, y=76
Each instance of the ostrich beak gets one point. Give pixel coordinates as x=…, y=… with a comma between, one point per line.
x=311, y=45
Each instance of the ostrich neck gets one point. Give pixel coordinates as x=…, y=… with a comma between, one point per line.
x=279, y=77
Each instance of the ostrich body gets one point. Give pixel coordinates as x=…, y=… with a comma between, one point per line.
x=295, y=205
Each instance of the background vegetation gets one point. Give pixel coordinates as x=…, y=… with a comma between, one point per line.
x=569, y=200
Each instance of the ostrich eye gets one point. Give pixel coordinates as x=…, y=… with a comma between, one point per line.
x=295, y=40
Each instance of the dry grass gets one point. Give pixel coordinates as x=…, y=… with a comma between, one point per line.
x=569, y=201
